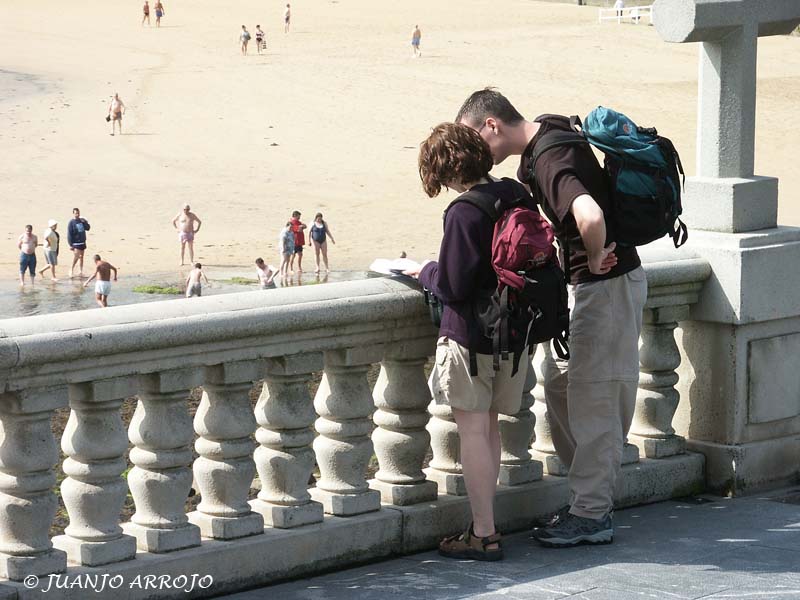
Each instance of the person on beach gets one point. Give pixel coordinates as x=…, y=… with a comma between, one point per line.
x=51, y=241
x=146, y=13
x=320, y=232
x=193, y=285
x=185, y=222
x=244, y=37
x=260, y=43
x=416, y=36
x=591, y=396
x=160, y=12
x=102, y=287
x=618, y=6
x=27, y=243
x=116, y=108
x=286, y=245
x=266, y=274
x=76, y=240
x=287, y=18
x=455, y=156
x=299, y=241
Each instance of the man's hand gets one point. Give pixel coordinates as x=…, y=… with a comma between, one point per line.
x=604, y=261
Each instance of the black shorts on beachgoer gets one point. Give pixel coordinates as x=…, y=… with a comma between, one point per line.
x=298, y=249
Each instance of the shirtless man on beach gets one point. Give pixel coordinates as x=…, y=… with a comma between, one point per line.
x=146, y=13
x=194, y=287
x=416, y=35
x=115, y=110
x=102, y=288
x=184, y=222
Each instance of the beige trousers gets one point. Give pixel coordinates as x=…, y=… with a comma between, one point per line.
x=591, y=397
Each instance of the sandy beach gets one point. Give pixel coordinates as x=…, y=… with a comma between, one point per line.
x=329, y=119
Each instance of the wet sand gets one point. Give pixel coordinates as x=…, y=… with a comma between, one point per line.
x=329, y=119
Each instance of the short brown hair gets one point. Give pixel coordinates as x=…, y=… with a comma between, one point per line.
x=452, y=153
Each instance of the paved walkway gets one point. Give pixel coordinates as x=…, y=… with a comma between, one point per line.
x=710, y=548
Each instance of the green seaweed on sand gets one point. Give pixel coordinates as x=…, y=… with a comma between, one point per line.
x=172, y=290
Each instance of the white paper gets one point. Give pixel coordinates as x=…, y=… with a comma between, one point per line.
x=393, y=266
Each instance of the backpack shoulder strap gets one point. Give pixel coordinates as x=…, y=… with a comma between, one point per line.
x=553, y=139
x=490, y=204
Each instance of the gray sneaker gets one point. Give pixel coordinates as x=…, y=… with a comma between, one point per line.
x=572, y=530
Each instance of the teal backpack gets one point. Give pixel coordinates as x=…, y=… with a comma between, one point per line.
x=644, y=172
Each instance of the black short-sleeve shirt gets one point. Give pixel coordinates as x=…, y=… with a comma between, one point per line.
x=564, y=173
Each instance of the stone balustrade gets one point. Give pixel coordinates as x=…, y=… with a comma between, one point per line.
x=92, y=361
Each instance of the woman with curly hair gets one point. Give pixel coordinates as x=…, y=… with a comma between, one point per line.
x=456, y=157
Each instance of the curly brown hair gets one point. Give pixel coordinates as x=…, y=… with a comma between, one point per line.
x=453, y=153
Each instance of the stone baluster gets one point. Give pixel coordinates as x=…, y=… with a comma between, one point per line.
x=161, y=431
x=95, y=442
x=516, y=433
x=28, y=453
x=543, y=448
x=657, y=398
x=225, y=468
x=401, y=441
x=343, y=447
x=285, y=458
x=445, y=466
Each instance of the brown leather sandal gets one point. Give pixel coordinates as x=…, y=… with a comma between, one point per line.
x=468, y=546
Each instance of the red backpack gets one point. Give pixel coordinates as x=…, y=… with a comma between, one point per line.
x=529, y=305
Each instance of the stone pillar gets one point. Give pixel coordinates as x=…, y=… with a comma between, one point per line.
x=543, y=448
x=401, y=441
x=343, y=447
x=94, y=491
x=285, y=458
x=516, y=433
x=445, y=466
x=161, y=431
x=225, y=469
x=28, y=453
x=657, y=398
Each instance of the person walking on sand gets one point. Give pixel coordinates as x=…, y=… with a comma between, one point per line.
x=184, y=222
x=193, y=285
x=260, y=43
x=51, y=241
x=299, y=241
x=416, y=36
x=146, y=13
x=287, y=18
x=320, y=232
x=266, y=274
x=102, y=287
x=286, y=245
x=244, y=37
x=160, y=12
x=27, y=243
x=116, y=109
x=76, y=239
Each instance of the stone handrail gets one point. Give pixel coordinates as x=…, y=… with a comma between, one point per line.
x=91, y=361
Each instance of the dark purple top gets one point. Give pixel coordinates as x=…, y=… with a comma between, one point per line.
x=465, y=265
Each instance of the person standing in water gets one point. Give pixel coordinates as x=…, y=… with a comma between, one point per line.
x=320, y=232
x=51, y=242
x=27, y=243
x=102, y=288
x=76, y=239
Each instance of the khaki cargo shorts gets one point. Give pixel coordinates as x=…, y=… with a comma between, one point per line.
x=452, y=385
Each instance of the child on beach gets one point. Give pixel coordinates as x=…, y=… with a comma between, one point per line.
x=27, y=243
x=51, y=241
x=320, y=232
x=265, y=274
x=193, y=285
x=299, y=241
x=286, y=245
x=102, y=288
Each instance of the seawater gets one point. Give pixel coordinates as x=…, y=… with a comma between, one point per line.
x=66, y=295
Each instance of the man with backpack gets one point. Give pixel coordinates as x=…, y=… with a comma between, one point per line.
x=591, y=396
